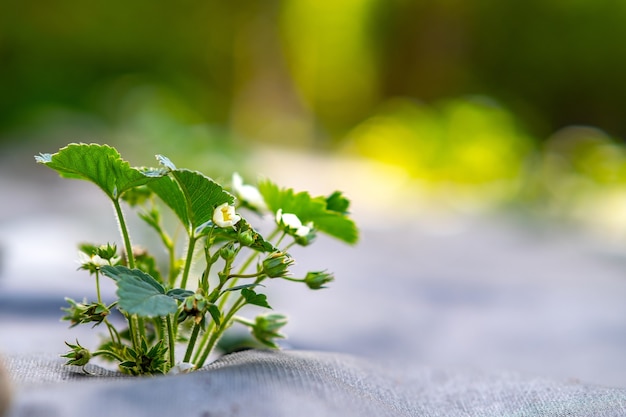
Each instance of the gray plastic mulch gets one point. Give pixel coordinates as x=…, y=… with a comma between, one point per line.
x=290, y=383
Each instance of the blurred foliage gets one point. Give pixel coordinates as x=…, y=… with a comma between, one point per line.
x=402, y=81
x=306, y=70
x=458, y=141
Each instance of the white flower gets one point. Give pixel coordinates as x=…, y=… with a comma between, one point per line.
x=248, y=193
x=292, y=222
x=225, y=216
x=94, y=260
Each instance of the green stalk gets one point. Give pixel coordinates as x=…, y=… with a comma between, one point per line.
x=188, y=259
x=210, y=260
x=211, y=343
x=192, y=341
x=98, y=287
x=280, y=240
x=133, y=324
x=212, y=335
x=215, y=336
x=203, y=342
x=130, y=257
x=107, y=353
x=233, y=281
x=172, y=261
x=115, y=336
x=171, y=338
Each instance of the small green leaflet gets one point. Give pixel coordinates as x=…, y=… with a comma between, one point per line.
x=100, y=164
x=327, y=214
x=254, y=298
x=139, y=293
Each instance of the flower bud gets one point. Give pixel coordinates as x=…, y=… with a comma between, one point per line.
x=266, y=328
x=277, y=264
x=194, y=306
x=79, y=313
x=108, y=252
x=247, y=237
x=78, y=356
x=315, y=280
x=227, y=252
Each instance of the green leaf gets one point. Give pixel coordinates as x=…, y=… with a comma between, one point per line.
x=191, y=195
x=180, y=294
x=243, y=286
x=325, y=214
x=214, y=311
x=168, y=190
x=100, y=164
x=139, y=293
x=254, y=298
x=337, y=202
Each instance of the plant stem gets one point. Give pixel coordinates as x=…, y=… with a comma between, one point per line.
x=209, y=347
x=293, y=279
x=244, y=275
x=203, y=342
x=217, y=333
x=192, y=341
x=171, y=338
x=214, y=332
x=204, y=280
x=188, y=259
x=280, y=239
x=107, y=353
x=98, y=287
x=130, y=257
x=115, y=336
x=132, y=329
x=172, y=269
x=141, y=327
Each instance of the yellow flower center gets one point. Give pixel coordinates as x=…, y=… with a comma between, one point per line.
x=226, y=214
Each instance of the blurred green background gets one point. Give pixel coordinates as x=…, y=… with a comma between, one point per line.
x=503, y=102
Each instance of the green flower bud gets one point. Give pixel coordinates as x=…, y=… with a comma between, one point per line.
x=266, y=328
x=227, y=252
x=277, y=264
x=78, y=356
x=194, y=306
x=79, y=313
x=315, y=280
x=108, y=252
x=247, y=238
